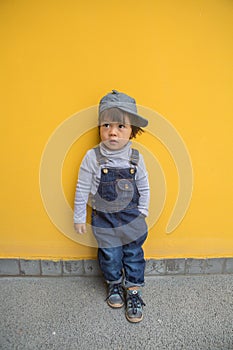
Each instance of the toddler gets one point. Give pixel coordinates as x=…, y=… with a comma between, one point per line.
x=113, y=181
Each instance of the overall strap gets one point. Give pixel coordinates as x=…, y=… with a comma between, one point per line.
x=101, y=160
x=134, y=159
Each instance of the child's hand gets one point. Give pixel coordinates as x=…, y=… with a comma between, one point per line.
x=80, y=228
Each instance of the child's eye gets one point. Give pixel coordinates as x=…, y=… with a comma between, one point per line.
x=106, y=125
x=121, y=126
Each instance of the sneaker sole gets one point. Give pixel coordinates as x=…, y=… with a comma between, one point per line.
x=134, y=320
x=115, y=306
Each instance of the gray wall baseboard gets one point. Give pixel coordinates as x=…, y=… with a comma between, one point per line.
x=154, y=267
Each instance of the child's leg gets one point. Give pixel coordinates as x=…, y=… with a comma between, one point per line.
x=134, y=266
x=134, y=262
x=110, y=261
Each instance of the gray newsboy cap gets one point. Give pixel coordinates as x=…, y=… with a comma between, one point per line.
x=124, y=102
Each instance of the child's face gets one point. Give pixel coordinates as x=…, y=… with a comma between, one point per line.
x=115, y=135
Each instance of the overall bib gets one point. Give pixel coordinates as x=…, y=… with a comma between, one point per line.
x=118, y=226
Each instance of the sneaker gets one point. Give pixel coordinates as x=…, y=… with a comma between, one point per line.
x=134, y=305
x=115, y=296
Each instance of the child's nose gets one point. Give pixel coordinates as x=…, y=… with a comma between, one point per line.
x=113, y=130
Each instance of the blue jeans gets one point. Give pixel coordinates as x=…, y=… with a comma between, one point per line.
x=124, y=262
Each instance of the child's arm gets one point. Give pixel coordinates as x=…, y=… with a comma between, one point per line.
x=82, y=192
x=143, y=187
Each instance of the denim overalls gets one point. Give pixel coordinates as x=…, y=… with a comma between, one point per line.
x=118, y=226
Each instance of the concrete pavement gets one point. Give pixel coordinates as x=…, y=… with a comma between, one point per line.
x=70, y=313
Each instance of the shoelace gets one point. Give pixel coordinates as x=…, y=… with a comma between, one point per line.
x=135, y=302
x=115, y=289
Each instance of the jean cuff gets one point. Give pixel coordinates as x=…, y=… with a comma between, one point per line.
x=127, y=284
x=114, y=282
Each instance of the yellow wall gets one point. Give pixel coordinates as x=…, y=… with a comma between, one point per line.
x=59, y=57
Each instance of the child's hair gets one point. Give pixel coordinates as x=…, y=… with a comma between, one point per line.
x=118, y=116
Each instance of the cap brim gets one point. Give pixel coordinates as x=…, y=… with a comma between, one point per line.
x=138, y=119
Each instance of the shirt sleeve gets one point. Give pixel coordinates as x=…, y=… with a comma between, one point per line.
x=142, y=183
x=83, y=188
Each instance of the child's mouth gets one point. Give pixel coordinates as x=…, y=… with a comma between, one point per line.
x=113, y=141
